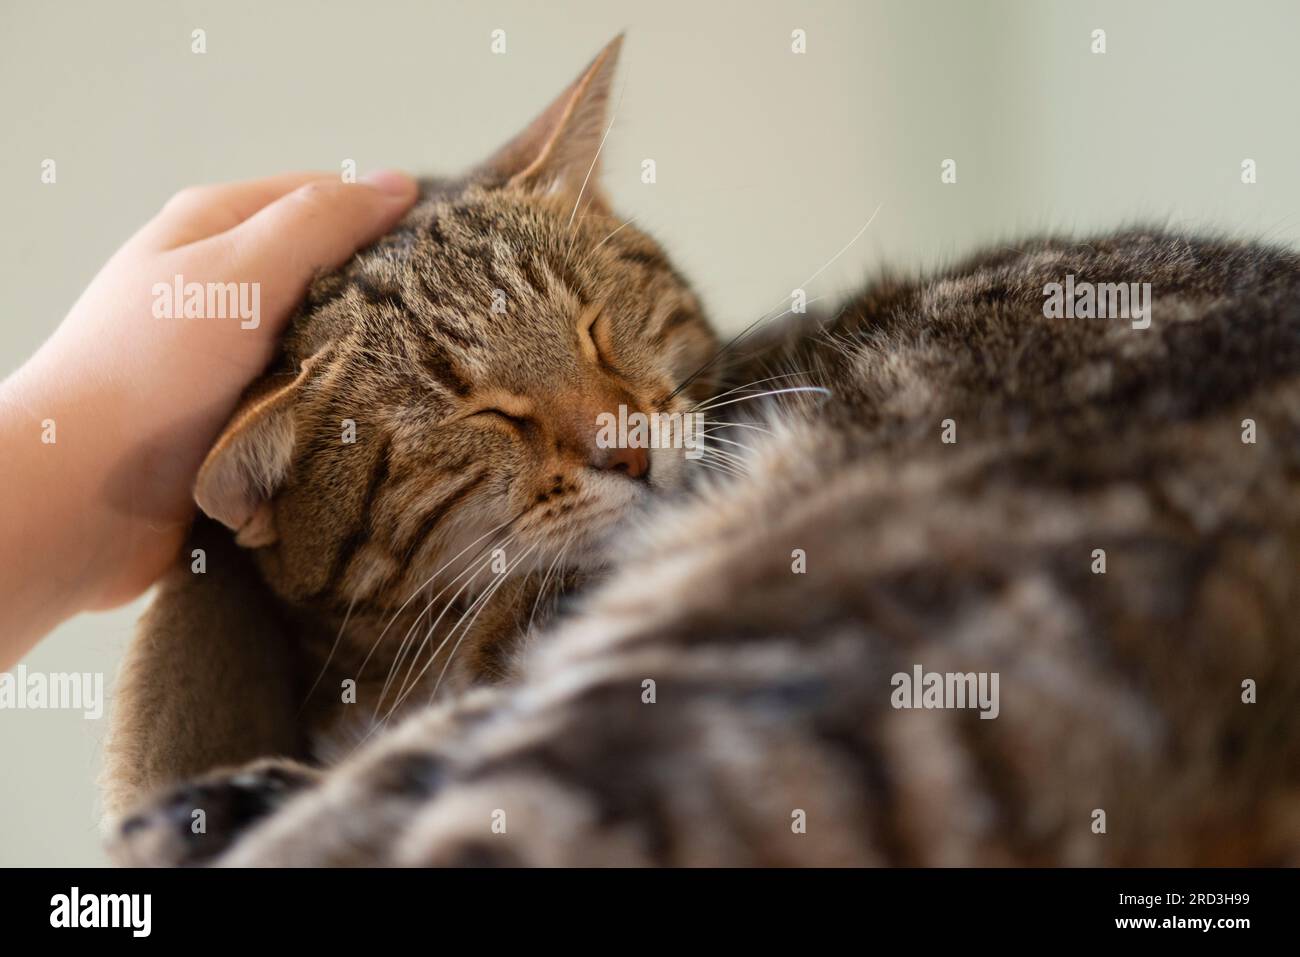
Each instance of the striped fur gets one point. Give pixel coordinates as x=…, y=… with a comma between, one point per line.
x=1121, y=692
x=417, y=480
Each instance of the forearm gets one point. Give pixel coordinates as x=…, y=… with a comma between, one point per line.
x=72, y=539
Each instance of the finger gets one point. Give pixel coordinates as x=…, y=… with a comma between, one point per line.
x=198, y=212
x=315, y=227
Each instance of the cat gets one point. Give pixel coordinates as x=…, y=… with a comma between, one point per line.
x=428, y=427
x=943, y=476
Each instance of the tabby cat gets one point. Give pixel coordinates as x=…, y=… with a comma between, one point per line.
x=940, y=476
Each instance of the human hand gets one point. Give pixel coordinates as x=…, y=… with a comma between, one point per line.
x=106, y=425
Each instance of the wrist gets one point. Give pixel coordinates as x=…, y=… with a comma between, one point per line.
x=85, y=516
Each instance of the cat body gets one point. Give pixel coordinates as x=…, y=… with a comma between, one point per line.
x=416, y=481
x=1091, y=525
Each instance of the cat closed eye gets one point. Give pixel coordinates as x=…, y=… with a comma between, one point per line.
x=597, y=331
x=517, y=421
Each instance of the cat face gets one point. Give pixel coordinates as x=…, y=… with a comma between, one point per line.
x=442, y=391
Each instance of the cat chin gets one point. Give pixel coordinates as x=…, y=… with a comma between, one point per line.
x=589, y=548
x=591, y=543
x=668, y=469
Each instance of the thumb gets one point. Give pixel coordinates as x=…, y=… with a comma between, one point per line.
x=315, y=227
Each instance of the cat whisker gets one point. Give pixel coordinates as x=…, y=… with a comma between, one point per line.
x=719, y=467
x=734, y=342
x=741, y=388
x=408, y=639
x=452, y=654
x=557, y=590
x=856, y=236
x=726, y=456
x=715, y=468
x=541, y=590
x=594, y=160
x=748, y=398
x=720, y=458
x=612, y=235
x=409, y=683
x=718, y=425
x=330, y=657
x=739, y=445
x=468, y=481
x=726, y=347
x=419, y=588
x=403, y=684
x=401, y=654
x=766, y=316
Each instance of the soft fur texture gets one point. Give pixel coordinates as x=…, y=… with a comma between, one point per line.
x=1119, y=691
x=418, y=479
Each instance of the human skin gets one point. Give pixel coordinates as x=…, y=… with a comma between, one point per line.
x=89, y=520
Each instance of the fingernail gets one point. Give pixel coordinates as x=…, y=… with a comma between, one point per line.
x=390, y=181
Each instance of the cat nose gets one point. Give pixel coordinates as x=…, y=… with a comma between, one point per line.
x=632, y=462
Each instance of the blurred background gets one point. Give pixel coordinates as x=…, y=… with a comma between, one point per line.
x=768, y=163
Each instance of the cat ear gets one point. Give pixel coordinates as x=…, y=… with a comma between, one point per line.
x=250, y=459
x=557, y=152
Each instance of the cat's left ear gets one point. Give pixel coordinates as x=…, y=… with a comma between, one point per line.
x=557, y=152
x=250, y=459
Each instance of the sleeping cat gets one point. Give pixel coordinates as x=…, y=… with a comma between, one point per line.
x=417, y=481
x=1103, y=517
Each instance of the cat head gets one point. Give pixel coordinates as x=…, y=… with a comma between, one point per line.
x=439, y=395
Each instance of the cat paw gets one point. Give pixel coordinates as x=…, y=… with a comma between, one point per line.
x=196, y=821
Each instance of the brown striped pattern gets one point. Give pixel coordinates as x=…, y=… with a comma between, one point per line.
x=1119, y=692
